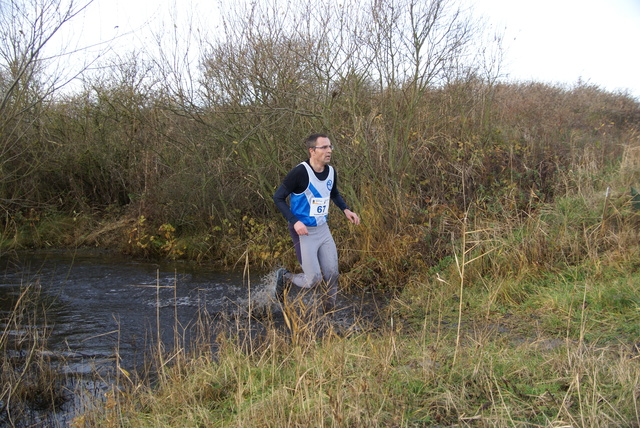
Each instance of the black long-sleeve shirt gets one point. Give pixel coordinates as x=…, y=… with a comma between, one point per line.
x=297, y=181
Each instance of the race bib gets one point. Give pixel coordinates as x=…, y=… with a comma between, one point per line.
x=319, y=207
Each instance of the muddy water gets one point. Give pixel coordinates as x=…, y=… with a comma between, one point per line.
x=103, y=309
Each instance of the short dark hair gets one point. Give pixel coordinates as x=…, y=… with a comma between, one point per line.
x=311, y=141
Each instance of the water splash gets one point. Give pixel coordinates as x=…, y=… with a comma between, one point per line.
x=261, y=297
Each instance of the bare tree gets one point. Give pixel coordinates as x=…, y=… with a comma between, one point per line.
x=26, y=28
x=418, y=43
x=29, y=75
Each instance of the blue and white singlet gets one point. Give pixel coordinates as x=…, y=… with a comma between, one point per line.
x=312, y=206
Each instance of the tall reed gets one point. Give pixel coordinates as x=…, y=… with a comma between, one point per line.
x=31, y=385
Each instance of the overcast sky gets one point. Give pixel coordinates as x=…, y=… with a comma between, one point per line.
x=561, y=41
x=551, y=41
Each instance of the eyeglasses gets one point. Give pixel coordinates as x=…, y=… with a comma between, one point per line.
x=323, y=147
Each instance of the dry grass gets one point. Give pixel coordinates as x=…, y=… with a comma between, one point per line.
x=481, y=346
x=29, y=379
x=393, y=378
x=531, y=321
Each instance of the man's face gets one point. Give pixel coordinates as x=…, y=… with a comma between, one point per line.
x=322, y=151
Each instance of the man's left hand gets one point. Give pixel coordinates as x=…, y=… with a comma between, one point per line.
x=353, y=217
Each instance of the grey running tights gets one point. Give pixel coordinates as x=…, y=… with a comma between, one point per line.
x=319, y=260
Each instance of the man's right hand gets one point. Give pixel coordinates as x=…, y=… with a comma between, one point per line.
x=300, y=228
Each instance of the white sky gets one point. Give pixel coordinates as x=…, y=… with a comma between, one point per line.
x=551, y=41
x=561, y=41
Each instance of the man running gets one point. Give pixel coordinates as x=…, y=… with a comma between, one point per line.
x=311, y=185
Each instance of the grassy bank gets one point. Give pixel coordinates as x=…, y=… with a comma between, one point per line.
x=530, y=322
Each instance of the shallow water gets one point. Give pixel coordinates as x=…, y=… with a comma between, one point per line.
x=104, y=309
x=100, y=303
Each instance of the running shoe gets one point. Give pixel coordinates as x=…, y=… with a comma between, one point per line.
x=281, y=284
